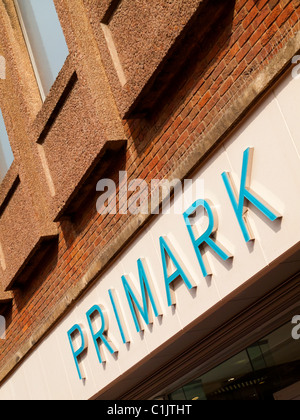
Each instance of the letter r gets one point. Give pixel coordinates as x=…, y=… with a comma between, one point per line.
x=100, y=336
x=205, y=238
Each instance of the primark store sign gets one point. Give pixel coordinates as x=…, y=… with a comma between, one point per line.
x=187, y=272
x=135, y=300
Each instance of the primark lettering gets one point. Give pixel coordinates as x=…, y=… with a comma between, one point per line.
x=143, y=305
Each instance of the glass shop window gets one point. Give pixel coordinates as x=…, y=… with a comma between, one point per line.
x=6, y=154
x=267, y=370
x=44, y=39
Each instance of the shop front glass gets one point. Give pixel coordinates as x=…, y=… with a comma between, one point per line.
x=267, y=370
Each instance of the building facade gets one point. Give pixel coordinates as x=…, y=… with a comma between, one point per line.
x=149, y=210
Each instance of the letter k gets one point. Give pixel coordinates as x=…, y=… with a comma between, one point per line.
x=238, y=202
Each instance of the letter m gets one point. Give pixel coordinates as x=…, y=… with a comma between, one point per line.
x=139, y=310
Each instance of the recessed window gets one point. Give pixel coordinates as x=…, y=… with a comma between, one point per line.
x=44, y=38
x=6, y=154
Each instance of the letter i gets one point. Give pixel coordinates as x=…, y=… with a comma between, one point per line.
x=119, y=315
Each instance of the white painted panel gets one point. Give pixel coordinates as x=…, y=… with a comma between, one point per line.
x=54, y=368
x=17, y=384
x=275, y=177
x=6, y=392
x=287, y=94
x=35, y=379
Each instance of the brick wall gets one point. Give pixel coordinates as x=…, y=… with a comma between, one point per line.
x=234, y=52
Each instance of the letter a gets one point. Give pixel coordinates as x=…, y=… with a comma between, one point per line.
x=179, y=273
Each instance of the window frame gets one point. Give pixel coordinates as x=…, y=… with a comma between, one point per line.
x=35, y=67
x=7, y=156
x=30, y=52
